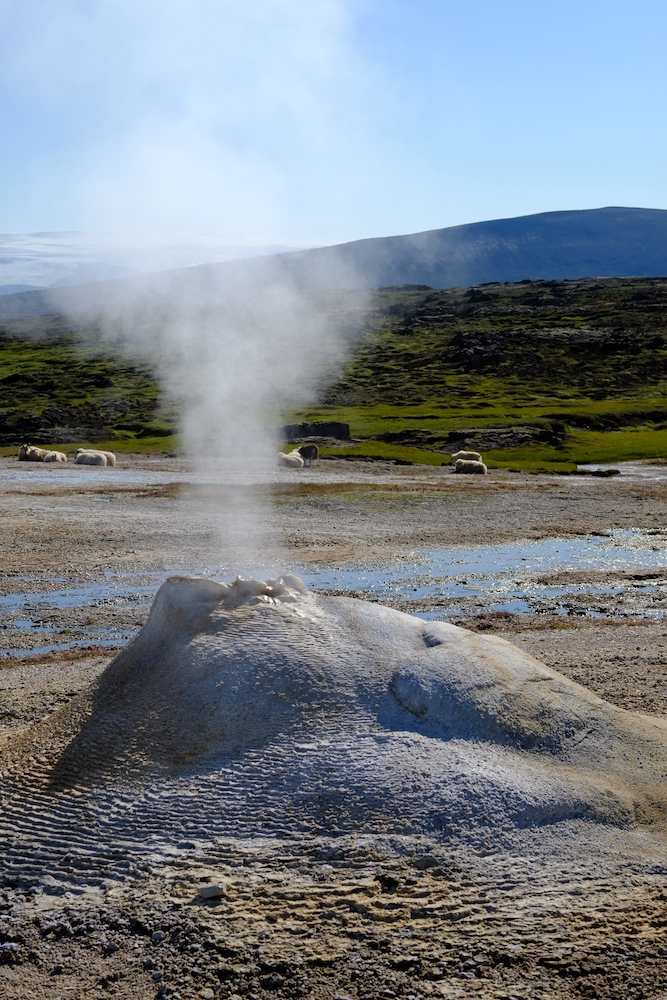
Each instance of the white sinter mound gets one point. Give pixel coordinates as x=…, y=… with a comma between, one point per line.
x=422, y=725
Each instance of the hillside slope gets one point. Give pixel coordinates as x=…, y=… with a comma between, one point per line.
x=536, y=374
x=588, y=339
x=540, y=374
x=611, y=242
x=614, y=242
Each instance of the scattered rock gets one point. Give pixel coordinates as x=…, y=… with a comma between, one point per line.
x=211, y=890
x=319, y=428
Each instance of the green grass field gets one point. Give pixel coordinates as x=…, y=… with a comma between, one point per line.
x=581, y=448
x=577, y=367
x=53, y=377
x=631, y=441
x=147, y=445
x=546, y=374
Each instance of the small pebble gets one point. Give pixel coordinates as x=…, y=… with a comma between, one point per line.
x=157, y=976
x=158, y=936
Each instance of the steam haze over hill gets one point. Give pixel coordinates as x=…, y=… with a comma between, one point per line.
x=51, y=259
x=609, y=242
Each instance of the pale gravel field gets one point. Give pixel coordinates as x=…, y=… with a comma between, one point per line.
x=356, y=917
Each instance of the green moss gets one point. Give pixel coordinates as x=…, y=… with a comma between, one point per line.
x=53, y=378
x=581, y=365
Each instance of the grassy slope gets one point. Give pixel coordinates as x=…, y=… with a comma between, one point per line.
x=53, y=377
x=581, y=364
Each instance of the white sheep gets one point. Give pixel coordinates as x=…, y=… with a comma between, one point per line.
x=90, y=458
x=29, y=453
x=55, y=456
x=465, y=456
x=472, y=468
x=291, y=460
x=109, y=455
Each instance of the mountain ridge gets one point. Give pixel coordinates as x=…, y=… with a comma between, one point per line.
x=602, y=242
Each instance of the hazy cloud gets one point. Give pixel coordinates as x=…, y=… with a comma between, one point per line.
x=174, y=115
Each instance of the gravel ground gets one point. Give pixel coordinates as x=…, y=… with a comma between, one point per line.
x=362, y=920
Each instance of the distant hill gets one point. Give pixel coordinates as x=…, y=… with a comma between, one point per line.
x=609, y=242
x=13, y=289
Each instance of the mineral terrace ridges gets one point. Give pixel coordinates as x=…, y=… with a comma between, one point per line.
x=318, y=726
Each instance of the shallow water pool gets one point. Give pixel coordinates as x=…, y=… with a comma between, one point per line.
x=515, y=577
x=618, y=573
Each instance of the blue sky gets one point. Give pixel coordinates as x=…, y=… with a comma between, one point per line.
x=310, y=121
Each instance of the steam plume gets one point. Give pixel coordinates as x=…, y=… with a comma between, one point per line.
x=237, y=348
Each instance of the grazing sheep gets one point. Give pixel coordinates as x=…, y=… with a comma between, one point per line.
x=90, y=458
x=109, y=455
x=466, y=456
x=309, y=453
x=472, y=468
x=55, y=456
x=292, y=460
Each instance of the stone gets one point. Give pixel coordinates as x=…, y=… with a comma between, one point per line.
x=211, y=890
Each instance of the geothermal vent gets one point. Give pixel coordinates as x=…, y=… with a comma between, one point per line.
x=299, y=710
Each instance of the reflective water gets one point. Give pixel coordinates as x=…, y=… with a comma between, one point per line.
x=107, y=643
x=515, y=577
x=634, y=470
x=114, y=591
x=237, y=474
x=26, y=474
x=507, y=577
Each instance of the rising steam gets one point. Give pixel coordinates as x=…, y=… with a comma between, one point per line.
x=237, y=347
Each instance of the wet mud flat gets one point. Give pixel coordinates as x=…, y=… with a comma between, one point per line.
x=84, y=550
x=335, y=916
